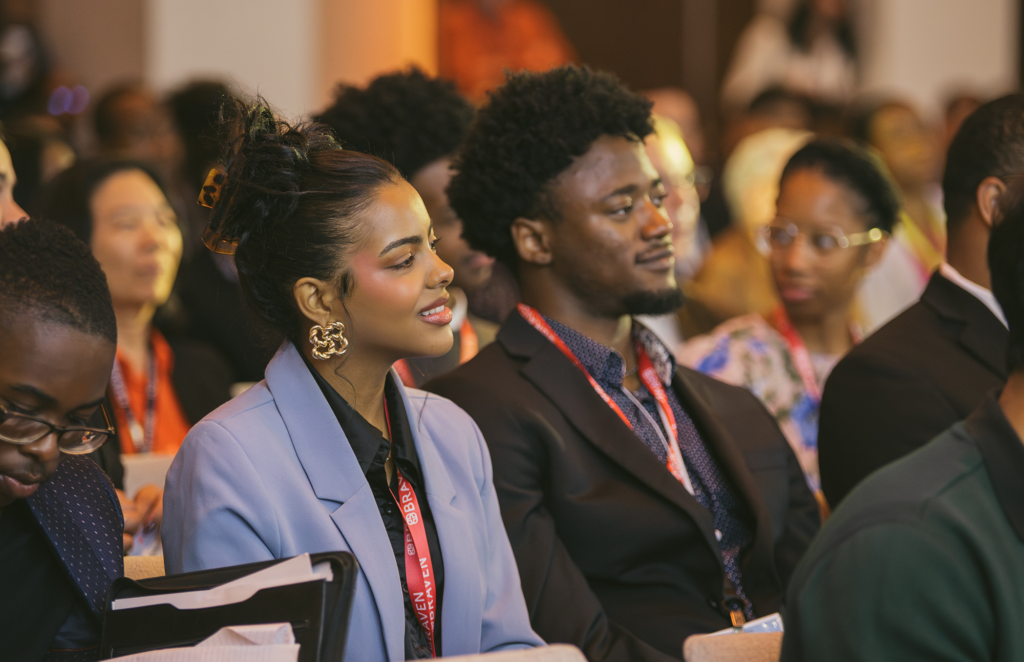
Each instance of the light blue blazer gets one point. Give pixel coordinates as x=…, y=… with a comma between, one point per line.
x=270, y=475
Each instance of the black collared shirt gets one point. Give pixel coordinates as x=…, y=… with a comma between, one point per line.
x=371, y=450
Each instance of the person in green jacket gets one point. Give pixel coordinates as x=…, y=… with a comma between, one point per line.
x=924, y=560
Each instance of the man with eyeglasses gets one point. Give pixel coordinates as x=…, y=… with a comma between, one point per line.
x=933, y=364
x=60, y=521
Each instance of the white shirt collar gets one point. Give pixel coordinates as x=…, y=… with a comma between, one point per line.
x=982, y=294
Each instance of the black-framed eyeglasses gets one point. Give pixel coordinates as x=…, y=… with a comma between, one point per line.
x=780, y=235
x=22, y=429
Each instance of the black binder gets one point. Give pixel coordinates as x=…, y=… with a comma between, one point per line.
x=317, y=610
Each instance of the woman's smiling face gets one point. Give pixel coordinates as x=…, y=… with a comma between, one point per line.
x=396, y=304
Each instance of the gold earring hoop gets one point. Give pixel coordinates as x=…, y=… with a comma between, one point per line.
x=328, y=342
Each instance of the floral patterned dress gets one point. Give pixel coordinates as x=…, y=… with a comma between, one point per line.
x=749, y=352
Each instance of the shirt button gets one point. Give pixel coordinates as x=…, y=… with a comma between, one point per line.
x=718, y=535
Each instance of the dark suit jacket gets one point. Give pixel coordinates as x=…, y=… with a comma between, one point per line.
x=923, y=560
x=614, y=554
x=916, y=376
x=80, y=516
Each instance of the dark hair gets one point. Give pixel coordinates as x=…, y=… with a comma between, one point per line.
x=196, y=110
x=45, y=270
x=405, y=118
x=990, y=143
x=1006, y=265
x=529, y=132
x=799, y=30
x=106, y=121
x=67, y=199
x=850, y=166
x=290, y=199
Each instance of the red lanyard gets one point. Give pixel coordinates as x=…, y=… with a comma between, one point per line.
x=419, y=569
x=649, y=378
x=799, y=353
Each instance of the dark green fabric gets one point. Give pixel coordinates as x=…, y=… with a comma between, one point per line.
x=924, y=560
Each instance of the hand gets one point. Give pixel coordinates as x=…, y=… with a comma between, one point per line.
x=149, y=502
x=132, y=519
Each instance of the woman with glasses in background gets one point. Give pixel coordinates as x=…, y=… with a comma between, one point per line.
x=60, y=523
x=834, y=213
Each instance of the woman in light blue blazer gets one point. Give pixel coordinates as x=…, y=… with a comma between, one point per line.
x=334, y=251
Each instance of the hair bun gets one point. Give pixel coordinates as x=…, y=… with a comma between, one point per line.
x=265, y=160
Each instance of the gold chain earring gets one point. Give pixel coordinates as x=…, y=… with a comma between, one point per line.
x=328, y=342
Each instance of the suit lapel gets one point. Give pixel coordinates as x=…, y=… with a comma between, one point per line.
x=568, y=389
x=94, y=560
x=759, y=560
x=334, y=474
x=981, y=335
x=462, y=613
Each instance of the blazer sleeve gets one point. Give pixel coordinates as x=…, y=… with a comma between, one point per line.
x=557, y=593
x=873, y=412
x=506, y=623
x=217, y=510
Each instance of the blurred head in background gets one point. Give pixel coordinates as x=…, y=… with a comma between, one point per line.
x=906, y=144
x=835, y=211
x=416, y=123
x=121, y=211
x=10, y=211
x=132, y=123
x=671, y=159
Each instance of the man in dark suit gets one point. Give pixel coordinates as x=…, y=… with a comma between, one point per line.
x=644, y=502
x=922, y=561
x=60, y=523
x=933, y=364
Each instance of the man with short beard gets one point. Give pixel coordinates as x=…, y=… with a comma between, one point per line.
x=644, y=502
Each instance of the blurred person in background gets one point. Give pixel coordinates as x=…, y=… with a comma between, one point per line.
x=158, y=388
x=736, y=277
x=814, y=54
x=39, y=151
x=679, y=106
x=834, y=213
x=10, y=211
x=911, y=154
x=933, y=364
x=131, y=123
x=479, y=39
x=922, y=561
x=60, y=524
x=208, y=282
x=672, y=161
x=416, y=123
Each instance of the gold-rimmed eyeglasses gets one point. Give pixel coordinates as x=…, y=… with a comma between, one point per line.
x=780, y=235
x=22, y=429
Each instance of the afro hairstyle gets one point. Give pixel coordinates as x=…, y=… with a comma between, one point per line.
x=406, y=118
x=48, y=273
x=530, y=130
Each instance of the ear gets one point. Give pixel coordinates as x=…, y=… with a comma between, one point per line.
x=532, y=239
x=314, y=298
x=987, y=197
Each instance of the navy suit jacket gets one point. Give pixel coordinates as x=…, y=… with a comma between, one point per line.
x=270, y=475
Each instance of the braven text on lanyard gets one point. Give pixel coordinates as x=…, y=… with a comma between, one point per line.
x=419, y=568
x=142, y=438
